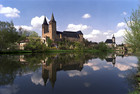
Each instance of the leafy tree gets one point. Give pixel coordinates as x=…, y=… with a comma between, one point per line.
x=102, y=47
x=8, y=35
x=8, y=69
x=132, y=36
x=26, y=33
x=49, y=41
x=33, y=34
x=23, y=32
x=35, y=45
x=78, y=46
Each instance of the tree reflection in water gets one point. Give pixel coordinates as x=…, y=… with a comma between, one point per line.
x=18, y=65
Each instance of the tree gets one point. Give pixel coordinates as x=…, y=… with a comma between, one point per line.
x=8, y=35
x=35, y=45
x=132, y=36
x=23, y=33
x=33, y=34
x=102, y=47
x=78, y=46
x=49, y=41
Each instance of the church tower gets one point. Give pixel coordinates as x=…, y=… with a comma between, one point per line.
x=113, y=41
x=44, y=27
x=52, y=28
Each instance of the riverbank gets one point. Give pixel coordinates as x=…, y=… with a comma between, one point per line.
x=15, y=52
x=53, y=51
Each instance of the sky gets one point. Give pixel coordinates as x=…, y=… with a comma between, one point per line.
x=97, y=19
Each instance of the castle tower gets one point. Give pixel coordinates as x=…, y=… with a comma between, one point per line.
x=52, y=73
x=44, y=27
x=45, y=74
x=52, y=28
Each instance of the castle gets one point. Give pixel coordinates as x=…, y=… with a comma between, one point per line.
x=50, y=31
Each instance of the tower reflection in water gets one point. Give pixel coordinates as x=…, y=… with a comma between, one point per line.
x=111, y=58
x=19, y=65
x=56, y=63
x=67, y=62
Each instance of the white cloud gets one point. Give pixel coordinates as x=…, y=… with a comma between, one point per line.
x=24, y=27
x=93, y=65
x=128, y=63
x=73, y=27
x=94, y=32
x=96, y=35
x=124, y=13
x=9, y=12
x=122, y=67
x=121, y=24
x=121, y=75
x=120, y=33
x=37, y=78
x=109, y=32
x=36, y=24
x=77, y=73
x=86, y=16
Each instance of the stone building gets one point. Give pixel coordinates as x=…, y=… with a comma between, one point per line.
x=111, y=42
x=50, y=31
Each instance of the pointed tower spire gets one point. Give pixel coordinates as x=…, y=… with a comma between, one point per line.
x=52, y=18
x=113, y=35
x=45, y=21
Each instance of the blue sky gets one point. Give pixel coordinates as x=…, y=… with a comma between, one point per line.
x=98, y=19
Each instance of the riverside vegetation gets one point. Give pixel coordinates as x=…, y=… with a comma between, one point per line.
x=10, y=39
x=132, y=37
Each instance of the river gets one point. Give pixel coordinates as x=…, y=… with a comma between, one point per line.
x=67, y=73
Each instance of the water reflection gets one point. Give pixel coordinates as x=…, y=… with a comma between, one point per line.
x=71, y=62
x=111, y=58
x=43, y=68
x=56, y=63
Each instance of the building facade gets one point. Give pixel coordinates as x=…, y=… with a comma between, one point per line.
x=111, y=42
x=50, y=31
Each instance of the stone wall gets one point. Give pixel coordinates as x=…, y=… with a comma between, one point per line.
x=73, y=39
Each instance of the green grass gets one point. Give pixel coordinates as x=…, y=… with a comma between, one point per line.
x=15, y=52
x=54, y=51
